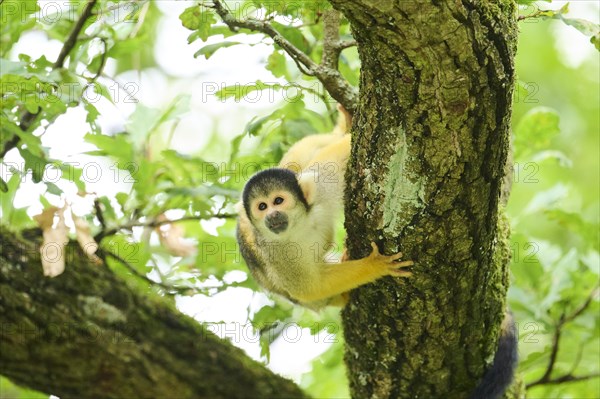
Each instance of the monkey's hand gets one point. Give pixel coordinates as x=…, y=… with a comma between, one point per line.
x=389, y=262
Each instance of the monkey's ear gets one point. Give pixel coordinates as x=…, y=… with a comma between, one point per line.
x=241, y=210
x=307, y=184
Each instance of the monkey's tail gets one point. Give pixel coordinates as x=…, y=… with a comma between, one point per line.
x=499, y=376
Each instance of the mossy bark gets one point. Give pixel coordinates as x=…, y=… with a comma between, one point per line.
x=430, y=141
x=86, y=334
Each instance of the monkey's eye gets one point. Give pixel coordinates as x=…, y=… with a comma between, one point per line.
x=262, y=206
x=278, y=200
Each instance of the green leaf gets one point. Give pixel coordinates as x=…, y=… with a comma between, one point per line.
x=122, y=199
x=586, y=27
x=198, y=19
x=53, y=188
x=254, y=126
x=144, y=120
x=45, y=203
x=179, y=106
x=34, y=163
x=12, y=67
x=547, y=199
x=117, y=146
x=108, y=212
x=7, y=197
x=294, y=36
x=533, y=358
x=553, y=155
x=277, y=64
x=208, y=50
x=141, y=123
x=91, y=116
x=573, y=222
x=73, y=174
x=190, y=17
x=240, y=91
x=595, y=40
x=267, y=315
x=535, y=131
x=17, y=17
x=3, y=186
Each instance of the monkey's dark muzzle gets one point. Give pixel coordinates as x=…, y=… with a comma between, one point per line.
x=277, y=222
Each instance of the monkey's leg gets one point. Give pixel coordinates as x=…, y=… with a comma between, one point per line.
x=299, y=156
x=336, y=152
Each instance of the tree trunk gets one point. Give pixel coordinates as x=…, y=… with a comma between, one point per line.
x=430, y=140
x=86, y=334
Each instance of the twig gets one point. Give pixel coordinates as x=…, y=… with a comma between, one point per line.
x=157, y=223
x=103, y=58
x=330, y=77
x=170, y=289
x=99, y=213
x=584, y=306
x=103, y=253
x=29, y=117
x=554, y=352
x=72, y=39
x=537, y=14
x=344, y=44
x=566, y=378
x=569, y=377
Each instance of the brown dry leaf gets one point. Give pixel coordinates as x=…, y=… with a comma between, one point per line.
x=171, y=237
x=85, y=239
x=46, y=218
x=52, y=250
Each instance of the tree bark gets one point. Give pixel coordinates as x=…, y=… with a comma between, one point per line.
x=86, y=334
x=430, y=141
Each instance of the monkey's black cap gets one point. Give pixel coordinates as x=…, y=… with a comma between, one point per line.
x=264, y=182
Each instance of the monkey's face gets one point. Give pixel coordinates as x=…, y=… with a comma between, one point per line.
x=275, y=211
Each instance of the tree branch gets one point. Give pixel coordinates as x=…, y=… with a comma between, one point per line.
x=332, y=80
x=564, y=319
x=332, y=45
x=331, y=37
x=130, y=344
x=72, y=39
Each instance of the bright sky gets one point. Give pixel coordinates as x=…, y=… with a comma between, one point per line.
x=199, y=78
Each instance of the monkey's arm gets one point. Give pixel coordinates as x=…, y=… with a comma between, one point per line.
x=335, y=279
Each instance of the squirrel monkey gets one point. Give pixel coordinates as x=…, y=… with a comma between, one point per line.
x=287, y=221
